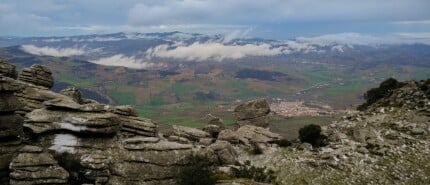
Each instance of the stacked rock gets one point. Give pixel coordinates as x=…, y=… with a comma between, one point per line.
x=38, y=75
x=10, y=122
x=7, y=69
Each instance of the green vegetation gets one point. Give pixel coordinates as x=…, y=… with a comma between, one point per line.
x=121, y=97
x=76, y=81
x=312, y=134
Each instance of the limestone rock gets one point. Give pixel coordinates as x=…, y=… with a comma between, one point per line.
x=193, y=134
x=7, y=69
x=36, y=167
x=44, y=120
x=11, y=126
x=136, y=126
x=125, y=110
x=251, y=136
x=252, y=113
x=37, y=75
x=73, y=93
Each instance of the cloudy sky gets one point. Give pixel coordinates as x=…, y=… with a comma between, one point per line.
x=279, y=19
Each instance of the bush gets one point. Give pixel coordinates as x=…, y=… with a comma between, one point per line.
x=198, y=172
x=312, y=134
x=259, y=174
x=375, y=94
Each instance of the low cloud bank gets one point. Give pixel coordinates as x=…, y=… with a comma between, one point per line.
x=56, y=52
x=125, y=61
x=212, y=51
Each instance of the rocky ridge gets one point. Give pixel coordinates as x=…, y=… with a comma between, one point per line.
x=388, y=143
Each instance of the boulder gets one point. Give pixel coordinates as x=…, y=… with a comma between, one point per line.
x=73, y=93
x=224, y=153
x=252, y=113
x=192, y=134
x=7, y=69
x=38, y=75
x=213, y=120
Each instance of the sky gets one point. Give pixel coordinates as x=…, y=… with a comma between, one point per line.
x=275, y=19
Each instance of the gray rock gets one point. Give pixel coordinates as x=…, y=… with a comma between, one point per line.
x=7, y=69
x=38, y=75
x=44, y=120
x=192, y=134
x=36, y=168
x=73, y=93
x=11, y=126
x=252, y=109
x=252, y=113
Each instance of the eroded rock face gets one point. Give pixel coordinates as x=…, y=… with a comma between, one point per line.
x=252, y=113
x=73, y=93
x=7, y=69
x=11, y=123
x=32, y=166
x=38, y=75
x=249, y=134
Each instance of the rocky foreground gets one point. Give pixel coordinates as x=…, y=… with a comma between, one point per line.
x=63, y=138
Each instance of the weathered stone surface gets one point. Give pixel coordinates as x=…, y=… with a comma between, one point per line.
x=252, y=109
x=9, y=102
x=213, y=130
x=192, y=134
x=125, y=110
x=37, y=75
x=11, y=126
x=136, y=126
x=222, y=153
x=36, y=168
x=252, y=113
x=73, y=93
x=213, y=120
x=44, y=120
x=7, y=69
x=9, y=85
x=248, y=133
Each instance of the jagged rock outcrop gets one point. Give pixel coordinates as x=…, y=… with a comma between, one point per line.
x=252, y=113
x=38, y=75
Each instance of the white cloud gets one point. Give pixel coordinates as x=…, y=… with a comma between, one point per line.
x=213, y=51
x=56, y=52
x=122, y=60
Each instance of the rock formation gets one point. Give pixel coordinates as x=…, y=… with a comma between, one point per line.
x=37, y=75
x=252, y=113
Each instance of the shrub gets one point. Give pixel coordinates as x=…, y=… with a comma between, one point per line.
x=375, y=94
x=198, y=172
x=312, y=134
x=259, y=174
